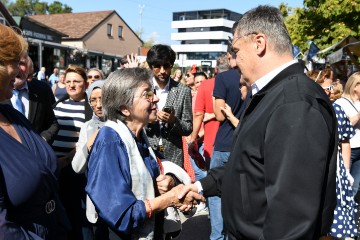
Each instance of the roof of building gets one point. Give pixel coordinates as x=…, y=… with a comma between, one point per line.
x=75, y=25
x=7, y=15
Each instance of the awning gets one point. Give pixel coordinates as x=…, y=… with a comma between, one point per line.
x=47, y=43
x=350, y=50
x=342, y=43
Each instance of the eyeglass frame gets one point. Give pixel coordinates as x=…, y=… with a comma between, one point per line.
x=165, y=66
x=231, y=41
x=93, y=77
x=329, y=88
x=97, y=100
x=148, y=97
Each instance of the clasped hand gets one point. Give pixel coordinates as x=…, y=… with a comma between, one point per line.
x=182, y=197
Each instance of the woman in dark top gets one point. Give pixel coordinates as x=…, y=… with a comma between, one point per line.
x=29, y=205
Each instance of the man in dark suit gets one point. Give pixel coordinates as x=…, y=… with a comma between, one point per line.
x=175, y=120
x=279, y=182
x=35, y=101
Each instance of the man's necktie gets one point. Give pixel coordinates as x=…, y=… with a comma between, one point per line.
x=19, y=105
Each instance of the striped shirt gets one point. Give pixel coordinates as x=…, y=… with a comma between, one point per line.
x=70, y=115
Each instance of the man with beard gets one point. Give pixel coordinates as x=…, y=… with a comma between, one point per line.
x=34, y=99
x=174, y=115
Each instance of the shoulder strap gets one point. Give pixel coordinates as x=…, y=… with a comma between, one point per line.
x=351, y=103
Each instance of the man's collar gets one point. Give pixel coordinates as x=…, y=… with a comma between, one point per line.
x=264, y=80
x=157, y=87
x=25, y=86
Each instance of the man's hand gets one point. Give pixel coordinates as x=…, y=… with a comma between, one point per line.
x=187, y=197
x=166, y=117
x=164, y=183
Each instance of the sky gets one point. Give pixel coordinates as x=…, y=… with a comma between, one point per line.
x=157, y=14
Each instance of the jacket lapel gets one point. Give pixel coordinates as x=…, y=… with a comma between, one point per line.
x=173, y=93
x=33, y=104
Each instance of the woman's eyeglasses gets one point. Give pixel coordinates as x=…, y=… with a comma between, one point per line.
x=95, y=101
x=148, y=95
x=93, y=76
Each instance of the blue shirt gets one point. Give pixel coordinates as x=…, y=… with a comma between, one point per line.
x=109, y=181
x=53, y=78
x=227, y=87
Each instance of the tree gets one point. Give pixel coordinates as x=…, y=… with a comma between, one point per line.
x=149, y=43
x=33, y=7
x=323, y=21
x=58, y=7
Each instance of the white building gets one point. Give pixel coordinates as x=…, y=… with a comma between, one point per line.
x=203, y=36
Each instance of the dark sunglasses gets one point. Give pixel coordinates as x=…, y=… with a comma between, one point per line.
x=93, y=76
x=165, y=66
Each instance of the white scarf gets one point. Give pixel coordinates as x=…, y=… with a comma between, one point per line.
x=142, y=183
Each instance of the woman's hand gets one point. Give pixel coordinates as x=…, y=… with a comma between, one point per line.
x=164, y=183
x=208, y=117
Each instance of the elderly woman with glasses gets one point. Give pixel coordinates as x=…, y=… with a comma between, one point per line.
x=125, y=176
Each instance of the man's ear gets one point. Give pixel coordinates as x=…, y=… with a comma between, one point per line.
x=124, y=111
x=260, y=41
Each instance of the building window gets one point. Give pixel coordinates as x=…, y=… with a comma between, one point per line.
x=120, y=31
x=109, y=29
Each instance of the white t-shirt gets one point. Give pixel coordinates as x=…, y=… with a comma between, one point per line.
x=351, y=109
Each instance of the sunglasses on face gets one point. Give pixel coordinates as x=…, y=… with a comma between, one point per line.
x=165, y=66
x=93, y=76
x=329, y=88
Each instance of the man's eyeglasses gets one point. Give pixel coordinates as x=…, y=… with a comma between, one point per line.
x=231, y=41
x=93, y=76
x=165, y=66
x=329, y=88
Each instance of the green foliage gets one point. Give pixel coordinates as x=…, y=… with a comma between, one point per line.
x=58, y=7
x=33, y=7
x=325, y=22
x=149, y=43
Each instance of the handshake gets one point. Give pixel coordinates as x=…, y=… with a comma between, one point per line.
x=183, y=197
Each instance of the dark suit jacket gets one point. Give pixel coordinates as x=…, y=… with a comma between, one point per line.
x=280, y=177
x=179, y=97
x=41, y=114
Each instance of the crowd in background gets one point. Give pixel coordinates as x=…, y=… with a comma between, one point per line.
x=84, y=155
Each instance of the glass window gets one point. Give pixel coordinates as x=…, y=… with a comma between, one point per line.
x=120, y=31
x=109, y=29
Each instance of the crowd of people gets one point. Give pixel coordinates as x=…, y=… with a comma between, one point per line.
x=268, y=150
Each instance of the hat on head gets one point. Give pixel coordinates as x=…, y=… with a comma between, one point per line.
x=94, y=85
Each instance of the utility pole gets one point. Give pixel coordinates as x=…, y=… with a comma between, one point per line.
x=141, y=10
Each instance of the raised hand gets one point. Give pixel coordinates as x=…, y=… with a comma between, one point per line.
x=132, y=61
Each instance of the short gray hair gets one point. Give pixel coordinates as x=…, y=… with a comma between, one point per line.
x=269, y=21
x=119, y=90
x=222, y=63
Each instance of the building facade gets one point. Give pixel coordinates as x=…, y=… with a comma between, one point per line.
x=97, y=39
x=203, y=36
